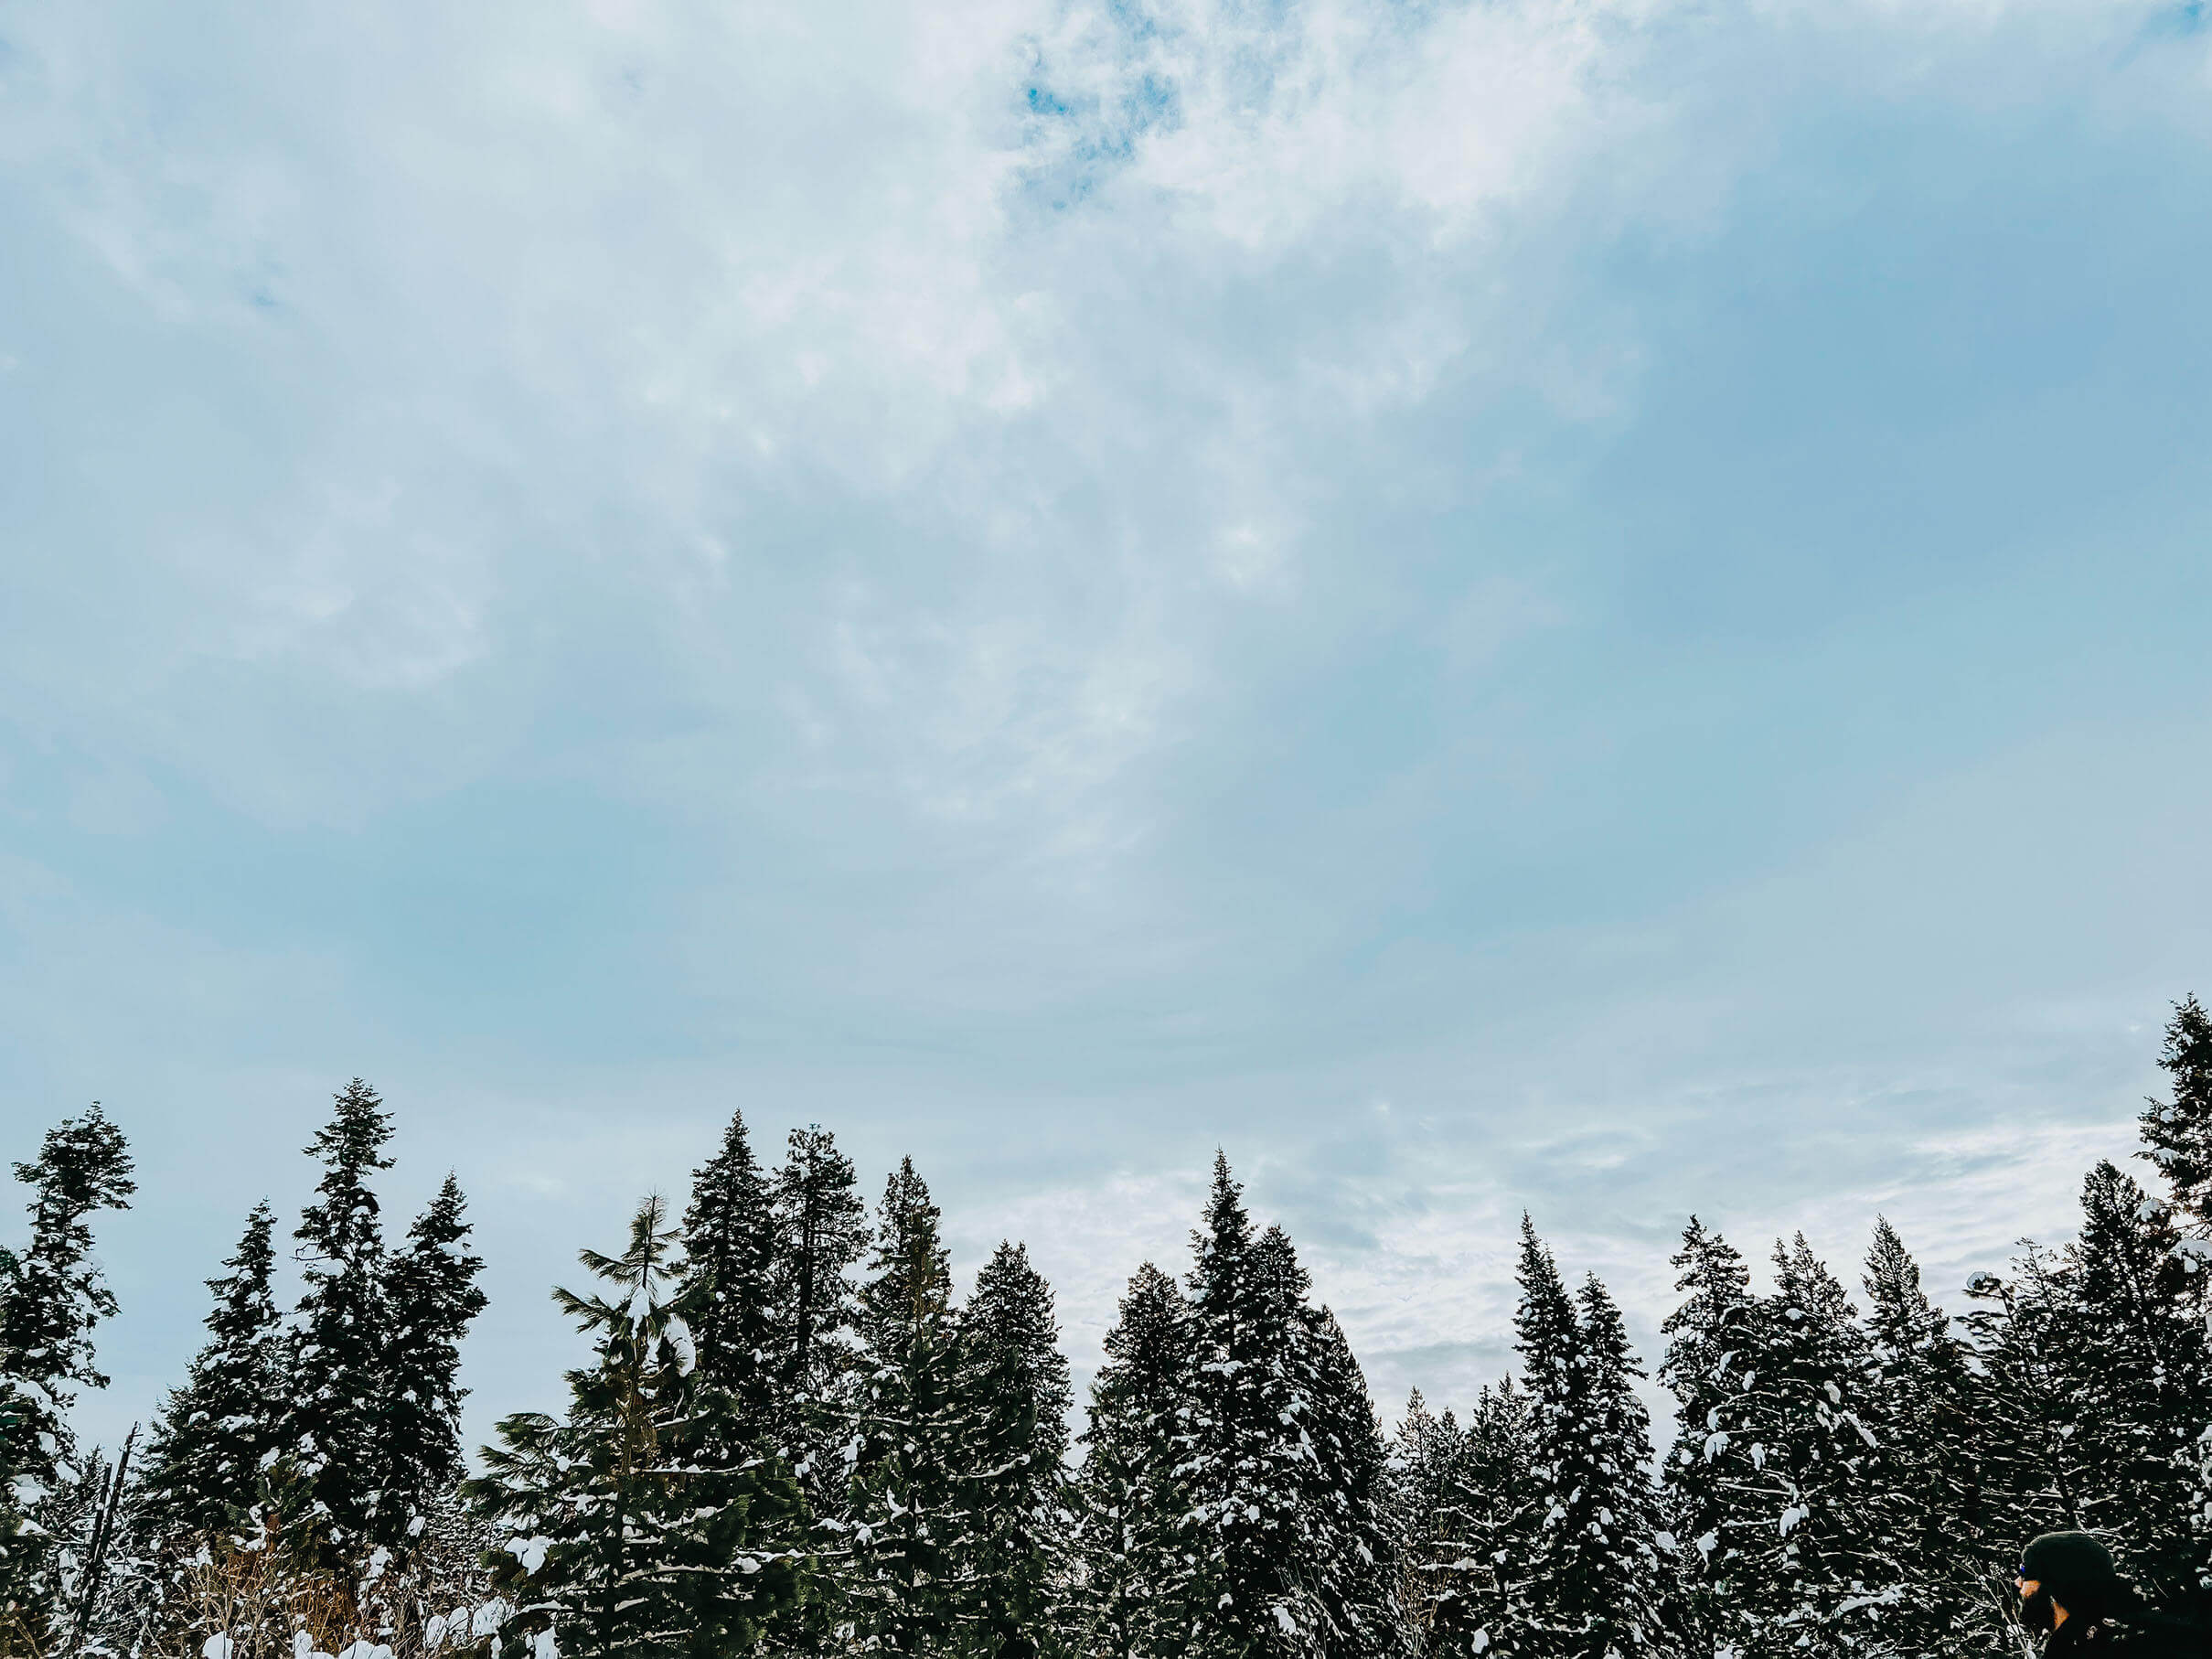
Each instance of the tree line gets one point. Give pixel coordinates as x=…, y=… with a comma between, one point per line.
x=792, y=1436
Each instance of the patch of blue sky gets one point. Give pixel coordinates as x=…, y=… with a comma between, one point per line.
x=1594, y=607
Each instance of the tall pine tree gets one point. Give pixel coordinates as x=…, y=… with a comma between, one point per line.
x=1542, y=1615
x=1427, y=1502
x=822, y=1231
x=729, y=1240
x=52, y=1295
x=1615, y=1527
x=1715, y=1496
x=430, y=1298
x=1815, y=1571
x=1129, y=1515
x=2030, y=1467
x=1504, y=1517
x=334, y=1426
x=912, y=1530
x=2177, y=1133
x=1239, y=1584
x=206, y=1465
x=1016, y=1384
x=1356, y=1548
x=2131, y=1345
x=1923, y=1404
x=626, y=1536
x=1590, y=1587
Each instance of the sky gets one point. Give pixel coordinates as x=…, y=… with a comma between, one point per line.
x=1588, y=607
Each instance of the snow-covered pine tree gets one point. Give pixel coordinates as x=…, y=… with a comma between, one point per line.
x=1015, y=1381
x=729, y=1240
x=1592, y=1585
x=333, y=1425
x=1922, y=1404
x=1542, y=1615
x=1814, y=1583
x=1238, y=1584
x=822, y=1231
x=429, y=1298
x=2029, y=1465
x=1502, y=1522
x=206, y=1462
x=2133, y=1347
x=2177, y=1140
x=1358, y=1547
x=52, y=1295
x=2177, y=1133
x=911, y=1529
x=1338, y=1556
x=1425, y=1504
x=624, y=1536
x=1714, y=1497
x=1624, y=1557
x=1127, y=1540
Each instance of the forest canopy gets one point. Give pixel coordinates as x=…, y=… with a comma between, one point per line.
x=793, y=1436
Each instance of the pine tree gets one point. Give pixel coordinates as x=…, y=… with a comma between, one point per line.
x=1505, y=1507
x=1618, y=1533
x=1590, y=1585
x=52, y=1296
x=2131, y=1347
x=338, y=1391
x=2177, y=1133
x=1356, y=1559
x=624, y=1536
x=1923, y=1407
x=1714, y=1496
x=1129, y=1515
x=1814, y=1583
x=1426, y=1503
x=1015, y=1381
x=822, y=1231
x=730, y=1239
x=429, y=1298
x=206, y=1470
x=1244, y=1456
x=2030, y=1465
x=1542, y=1615
x=2177, y=1140
x=912, y=1530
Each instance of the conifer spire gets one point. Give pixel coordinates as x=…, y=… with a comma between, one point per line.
x=1015, y=1381
x=1129, y=1515
x=913, y=1528
x=52, y=1295
x=333, y=1425
x=820, y=1233
x=623, y=1538
x=729, y=1240
x=2177, y=1132
x=431, y=1297
x=206, y=1462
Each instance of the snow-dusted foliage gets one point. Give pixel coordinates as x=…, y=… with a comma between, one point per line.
x=911, y=1525
x=1278, y=1544
x=52, y=1295
x=1127, y=1487
x=623, y=1532
x=1015, y=1382
x=794, y=1436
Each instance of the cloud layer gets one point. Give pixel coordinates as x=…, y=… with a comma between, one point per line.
x=1595, y=607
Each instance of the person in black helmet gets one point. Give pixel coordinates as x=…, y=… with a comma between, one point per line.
x=2071, y=1592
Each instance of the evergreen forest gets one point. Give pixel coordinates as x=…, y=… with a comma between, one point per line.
x=792, y=1435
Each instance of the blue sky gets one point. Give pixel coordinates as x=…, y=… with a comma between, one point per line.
x=1594, y=606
